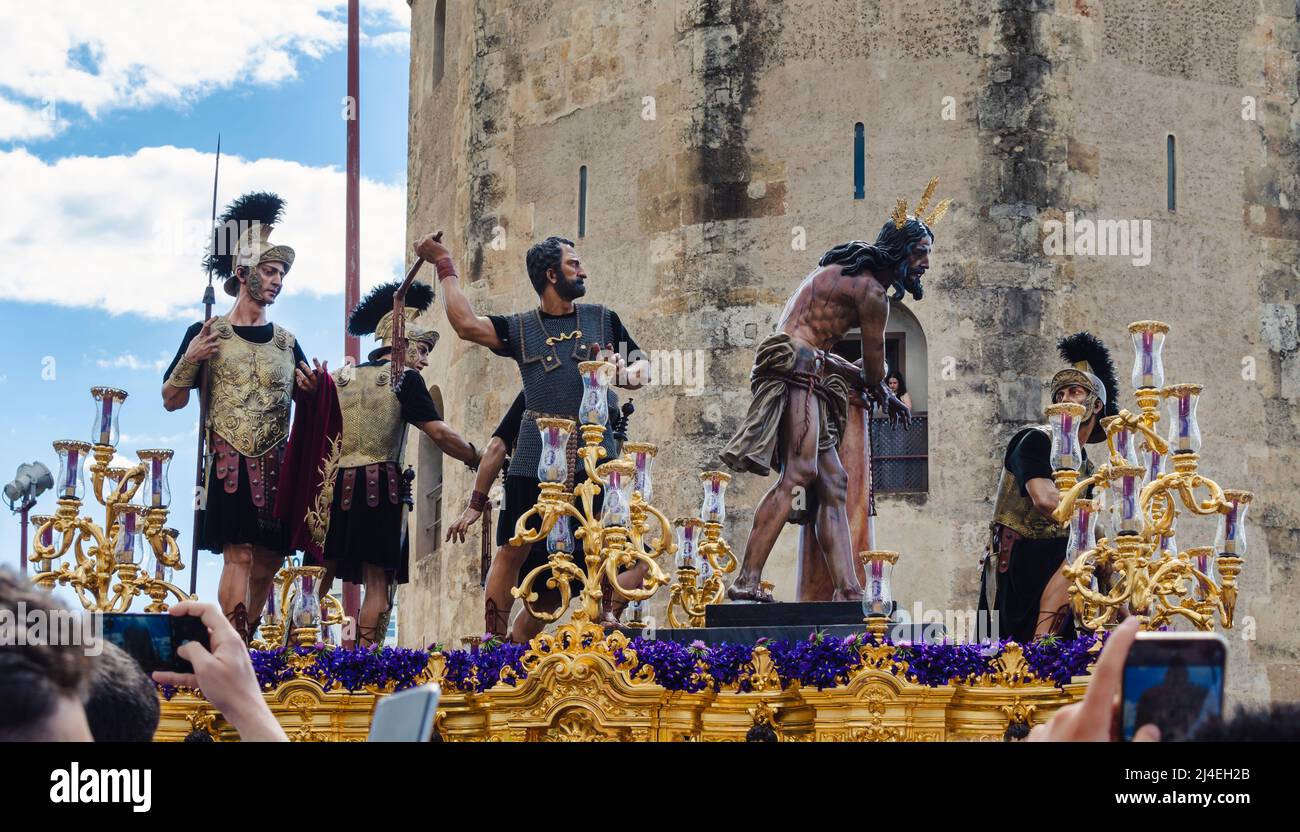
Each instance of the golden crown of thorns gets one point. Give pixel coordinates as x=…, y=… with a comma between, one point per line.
x=900, y=210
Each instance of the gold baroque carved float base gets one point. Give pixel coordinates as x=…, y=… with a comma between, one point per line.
x=579, y=693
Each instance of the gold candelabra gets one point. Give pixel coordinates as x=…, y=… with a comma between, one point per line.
x=295, y=615
x=1138, y=568
x=618, y=538
x=703, y=557
x=104, y=565
x=629, y=530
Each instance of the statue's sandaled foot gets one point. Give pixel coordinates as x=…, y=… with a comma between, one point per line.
x=847, y=595
x=757, y=594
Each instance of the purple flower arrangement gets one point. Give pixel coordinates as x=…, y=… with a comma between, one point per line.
x=819, y=661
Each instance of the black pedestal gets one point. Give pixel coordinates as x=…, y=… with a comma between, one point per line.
x=816, y=613
x=788, y=632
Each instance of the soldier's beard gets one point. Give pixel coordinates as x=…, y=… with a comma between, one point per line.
x=570, y=289
x=255, y=290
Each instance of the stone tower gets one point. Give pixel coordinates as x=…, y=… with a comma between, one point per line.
x=704, y=153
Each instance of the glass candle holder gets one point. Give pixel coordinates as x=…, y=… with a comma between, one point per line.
x=702, y=567
x=596, y=376
x=553, y=464
x=1148, y=341
x=1152, y=461
x=560, y=538
x=688, y=531
x=1083, y=530
x=114, y=474
x=1064, y=421
x=1125, y=441
x=1124, y=489
x=1203, y=561
x=305, y=609
x=45, y=539
x=72, y=458
x=642, y=456
x=108, y=404
x=130, y=533
x=1184, y=432
x=714, y=507
x=616, y=510
x=1230, y=538
x=636, y=611
x=157, y=491
x=878, y=594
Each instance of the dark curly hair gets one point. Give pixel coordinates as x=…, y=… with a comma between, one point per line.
x=542, y=256
x=886, y=256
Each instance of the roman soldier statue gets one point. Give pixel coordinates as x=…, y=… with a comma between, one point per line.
x=547, y=342
x=252, y=367
x=1021, y=579
x=364, y=543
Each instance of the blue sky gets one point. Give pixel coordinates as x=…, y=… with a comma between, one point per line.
x=107, y=171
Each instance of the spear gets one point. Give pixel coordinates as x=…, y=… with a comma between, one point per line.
x=200, y=479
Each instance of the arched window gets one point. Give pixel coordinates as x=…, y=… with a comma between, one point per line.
x=439, y=39
x=582, y=201
x=900, y=458
x=859, y=161
x=1171, y=174
x=428, y=485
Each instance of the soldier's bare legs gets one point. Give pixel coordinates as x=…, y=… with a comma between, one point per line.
x=266, y=563
x=232, y=589
x=501, y=578
x=799, y=433
x=374, y=607
x=1053, y=605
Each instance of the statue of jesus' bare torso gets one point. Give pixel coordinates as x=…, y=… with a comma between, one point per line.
x=798, y=412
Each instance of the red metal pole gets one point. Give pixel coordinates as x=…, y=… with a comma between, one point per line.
x=352, y=241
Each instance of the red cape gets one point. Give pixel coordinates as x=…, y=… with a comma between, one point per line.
x=306, y=489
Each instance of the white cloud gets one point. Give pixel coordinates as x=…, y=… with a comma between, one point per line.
x=19, y=123
x=129, y=361
x=127, y=233
x=138, y=53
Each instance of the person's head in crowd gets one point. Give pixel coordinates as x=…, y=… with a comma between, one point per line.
x=198, y=735
x=123, y=704
x=42, y=686
x=1279, y=722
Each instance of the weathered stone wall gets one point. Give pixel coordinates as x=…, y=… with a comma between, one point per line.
x=718, y=136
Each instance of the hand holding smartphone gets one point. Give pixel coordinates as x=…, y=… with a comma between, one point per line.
x=152, y=639
x=1174, y=681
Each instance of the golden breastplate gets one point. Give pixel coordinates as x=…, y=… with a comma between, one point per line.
x=373, y=430
x=1016, y=511
x=252, y=386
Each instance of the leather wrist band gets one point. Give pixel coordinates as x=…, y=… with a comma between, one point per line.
x=478, y=500
x=473, y=466
x=445, y=268
x=184, y=374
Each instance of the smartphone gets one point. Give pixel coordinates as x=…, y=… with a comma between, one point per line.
x=152, y=638
x=406, y=716
x=1174, y=680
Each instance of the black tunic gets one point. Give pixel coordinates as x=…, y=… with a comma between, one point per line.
x=232, y=519
x=363, y=534
x=1033, y=562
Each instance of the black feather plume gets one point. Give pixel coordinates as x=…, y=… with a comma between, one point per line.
x=258, y=206
x=1084, y=346
x=379, y=302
